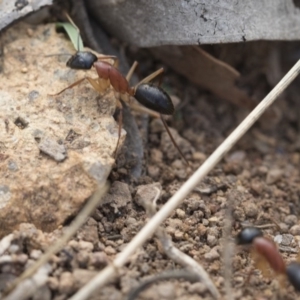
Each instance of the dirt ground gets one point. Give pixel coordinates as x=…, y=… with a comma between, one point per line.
x=257, y=184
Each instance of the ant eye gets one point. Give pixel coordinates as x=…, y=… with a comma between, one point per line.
x=293, y=274
x=247, y=235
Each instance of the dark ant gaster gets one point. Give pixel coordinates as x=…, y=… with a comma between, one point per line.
x=149, y=95
x=268, y=251
x=293, y=274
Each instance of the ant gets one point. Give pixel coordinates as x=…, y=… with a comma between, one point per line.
x=268, y=251
x=151, y=96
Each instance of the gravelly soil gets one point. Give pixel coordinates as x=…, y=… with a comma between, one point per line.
x=257, y=182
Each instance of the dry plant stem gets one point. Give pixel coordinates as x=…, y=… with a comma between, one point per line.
x=90, y=206
x=148, y=230
x=186, y=261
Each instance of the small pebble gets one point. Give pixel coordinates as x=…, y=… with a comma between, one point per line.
x=213, y=220
x=156, y=126
x=156, y=155
x=166, y=291
x=35, y=254
x=212, y=255
x=87, y=246
x=295, y=230
x=130, y=221
x=153, y=171
x=66, y=283
x=197, y=288
x=13, y=248
x=273, y=176
x=251, y=209
x=98, y=259
x=239, y=214
x=211, y=240
x=82, y=276
x=178, y=235
x=213, y=231
x=180, y=213
x=291, y=220
x=205, y=222
x=284, y=228
x=73, y=244
x=201, y=230
x=83, y=258
x=110, y=250
x=53, y=283
x=22, y=258
x=199, y=156
x=257, y=186
x=236, y=156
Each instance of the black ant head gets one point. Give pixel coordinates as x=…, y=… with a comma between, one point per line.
x=82, y=60
x=155, y=98
x=293, y=274
x=247, y=235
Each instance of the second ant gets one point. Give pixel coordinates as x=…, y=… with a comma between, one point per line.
x=265, y=251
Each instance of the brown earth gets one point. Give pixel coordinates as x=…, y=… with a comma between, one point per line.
x=256, y=184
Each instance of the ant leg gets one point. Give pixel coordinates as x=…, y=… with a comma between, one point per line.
x=173, y=141
x=150, y=77
x=100, y=85
x=130, y=72
x=69, y=87
x=120, y=122
x=126, y=97
x=114, y=58
x=144, y=110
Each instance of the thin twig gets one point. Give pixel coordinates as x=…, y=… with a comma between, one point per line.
x=147, y=231
x=90, y=206
x=184, y=260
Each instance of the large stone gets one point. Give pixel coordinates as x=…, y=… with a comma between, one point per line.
x=168, y=22
x=54, y=150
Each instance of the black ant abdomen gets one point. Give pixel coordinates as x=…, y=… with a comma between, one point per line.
x=293, y=274
x=155, y=98
x=82, y=60
x=247, y=235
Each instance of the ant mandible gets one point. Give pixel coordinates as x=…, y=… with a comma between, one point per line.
x=149, y=95
x=268, y=251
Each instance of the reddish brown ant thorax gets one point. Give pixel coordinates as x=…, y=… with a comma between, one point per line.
x=268, y=250
x=116, y=79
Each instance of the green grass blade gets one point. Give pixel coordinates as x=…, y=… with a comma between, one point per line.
x=73, y=34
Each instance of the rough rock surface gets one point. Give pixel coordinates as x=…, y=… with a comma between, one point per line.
x=54, y=149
